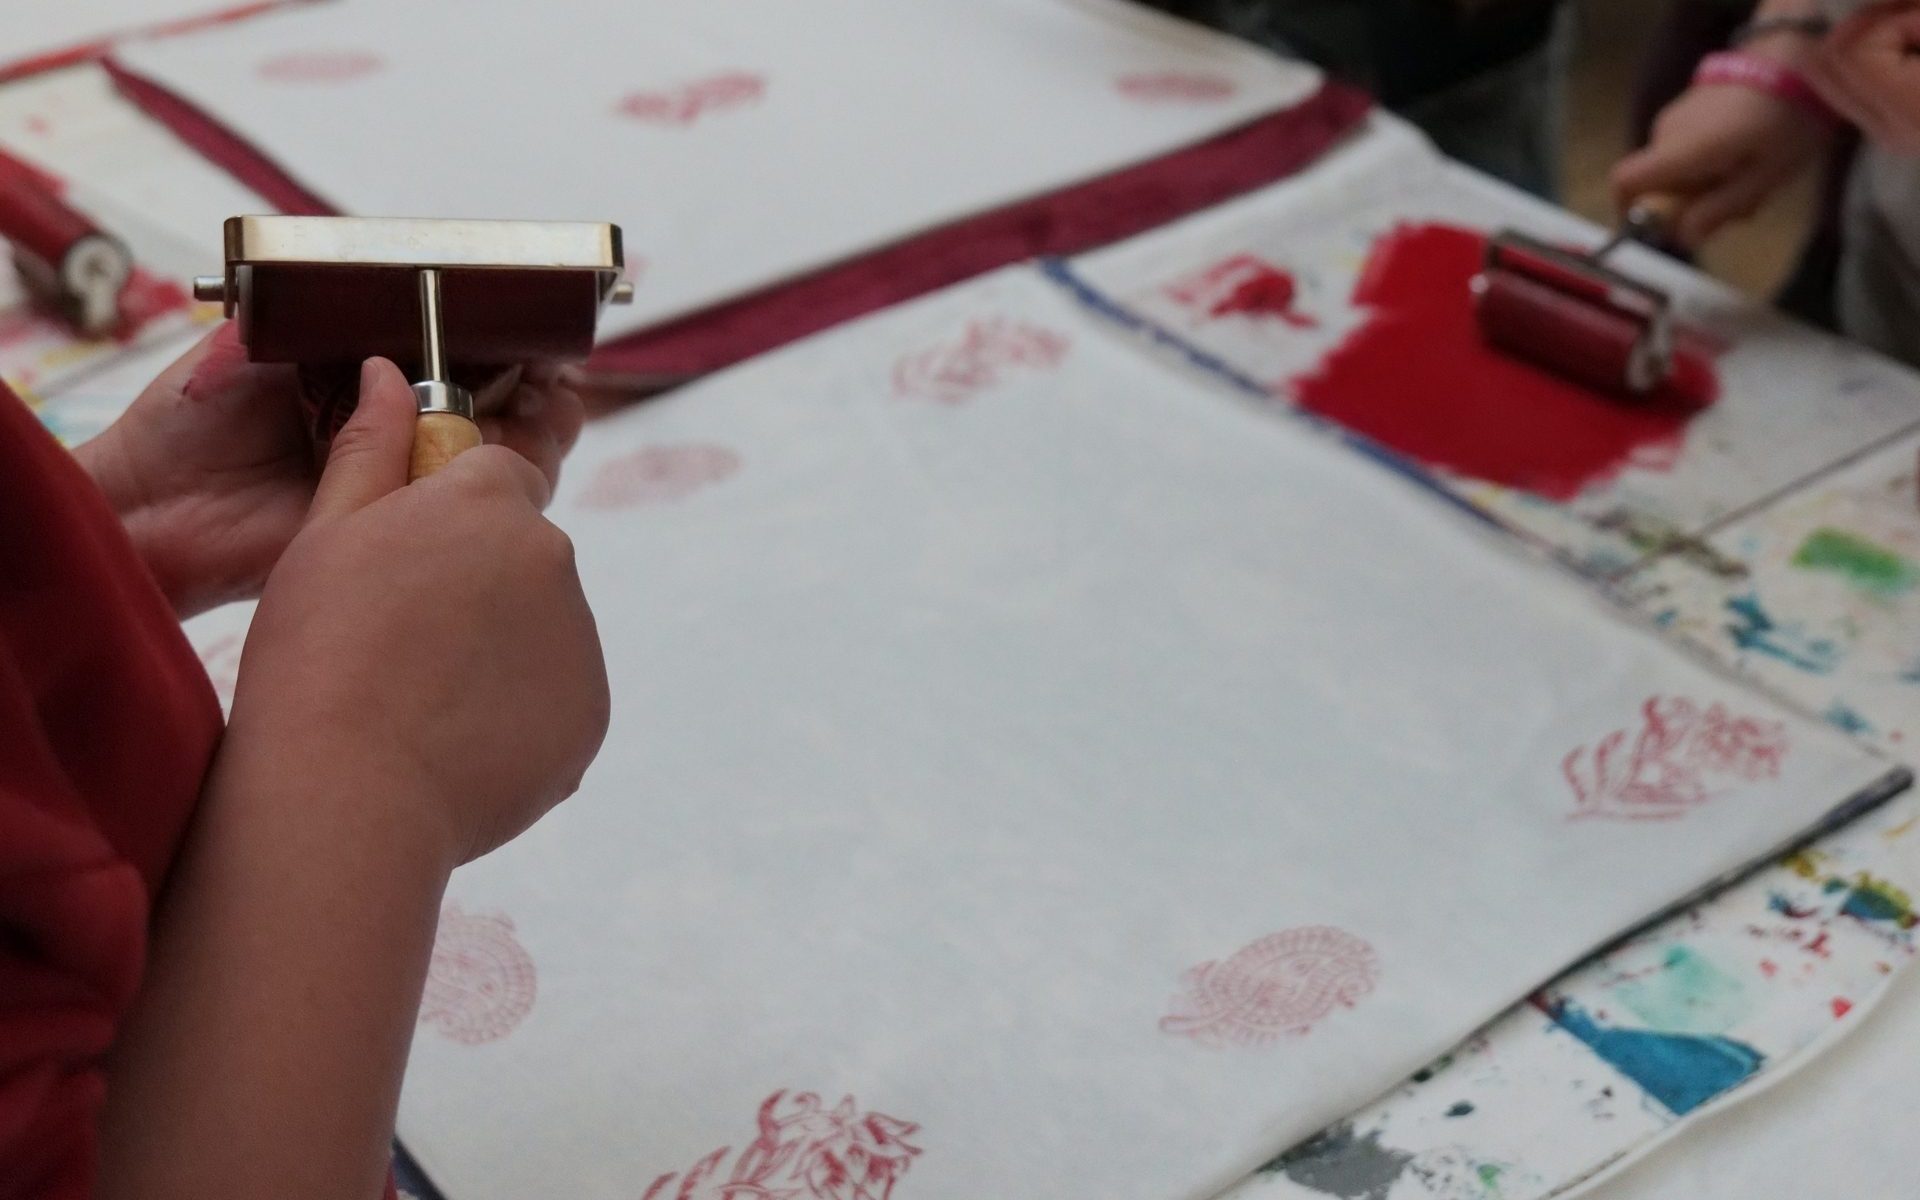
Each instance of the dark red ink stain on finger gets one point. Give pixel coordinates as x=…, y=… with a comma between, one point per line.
x=321, y=66
x=1418, y=378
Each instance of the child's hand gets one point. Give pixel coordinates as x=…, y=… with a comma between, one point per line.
x=212, y=470
x=1725, y=149
x=433, y=635
x=1869, y=69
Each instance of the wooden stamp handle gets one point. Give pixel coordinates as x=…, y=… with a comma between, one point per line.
x=438, y=439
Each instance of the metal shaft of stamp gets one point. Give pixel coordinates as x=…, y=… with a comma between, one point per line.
x=432, y=332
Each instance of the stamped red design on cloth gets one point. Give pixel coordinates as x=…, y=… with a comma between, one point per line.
x=1164, y=86
x=803, y=1150
x=1673, y=762
x=1285, y=983
x=480, y=982
x=1243, y=285
x=320, y=66
x=956, y=371
x=658, y=475
x=222, y=661
x=687, y=103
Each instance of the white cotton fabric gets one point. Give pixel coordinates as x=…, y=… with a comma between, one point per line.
x=952, y=725
x=874, y=119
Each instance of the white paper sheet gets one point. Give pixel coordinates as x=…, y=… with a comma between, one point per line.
x=737, y=144
x=996, y=712
x=1792, y=401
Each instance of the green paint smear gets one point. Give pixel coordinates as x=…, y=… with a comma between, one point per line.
x=1688, y=995
x=1868, y=567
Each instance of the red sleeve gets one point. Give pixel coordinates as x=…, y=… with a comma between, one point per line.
x=107, y=724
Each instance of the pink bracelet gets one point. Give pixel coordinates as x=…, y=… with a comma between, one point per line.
x=1741, y=69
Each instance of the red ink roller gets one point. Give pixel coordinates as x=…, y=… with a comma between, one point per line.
x=1576, y=316
x=67, y=263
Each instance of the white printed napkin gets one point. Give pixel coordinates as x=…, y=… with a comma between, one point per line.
x=738, y=144
x=1035, y=774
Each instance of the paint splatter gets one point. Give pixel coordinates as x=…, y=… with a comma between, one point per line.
x=320, y=66
x=1176, y=87
x=1681, y=1071
x=1875, y=901
x=803, y=1151
x=1866, y=567
x=1282, y=984
x=658, y=475
x=1846, y=720
x=1417, y=378
x=685, y=104
x=1243, y=286
x=1344, y=1164
x=1841, y=1007
x=1755, y=630
x=1688, y=994
x=480, y=982
x=1462, y=1109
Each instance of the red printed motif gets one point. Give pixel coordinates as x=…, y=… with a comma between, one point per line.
x=687, y=103
x=480, y=983
x=1670, y=764
x=1176, y=87
x=658, y=475
x=803, y=1152
x=1282, y=984
x=1242, y=286
x=320, y=66
x=955, y=372
x=222, y=660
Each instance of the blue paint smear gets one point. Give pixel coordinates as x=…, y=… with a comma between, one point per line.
x=1755, y=630
x=1680, y=1071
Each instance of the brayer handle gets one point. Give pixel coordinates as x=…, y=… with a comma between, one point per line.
x=446, y=428
x=438, y=439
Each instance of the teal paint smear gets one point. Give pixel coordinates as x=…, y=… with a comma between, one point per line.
x=1866, y=567
x=1682, y=1072
x=1688, y=995
x=1755, y=630
x=1846, y=720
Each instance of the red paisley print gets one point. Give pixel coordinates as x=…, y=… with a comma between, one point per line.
x=804, y=1151
x=480, y=984
x=1283, y=984
x=689, y=102
x=658, y=475
x=1679, y=758
x=1178, y=87
x=980, y=359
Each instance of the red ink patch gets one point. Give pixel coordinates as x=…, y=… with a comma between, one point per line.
x=1841, y=1007
x=1282, y=984
x=803, y=1152
x=955, y=372
x=320, y=66
x=1418, y=378
x=1671, y=764
x=687, y=103
x=1242, y=286
x=659, y=475
x=1191, y=87
x=480, y=983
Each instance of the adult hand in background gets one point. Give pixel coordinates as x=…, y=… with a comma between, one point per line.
x=1869, y=69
